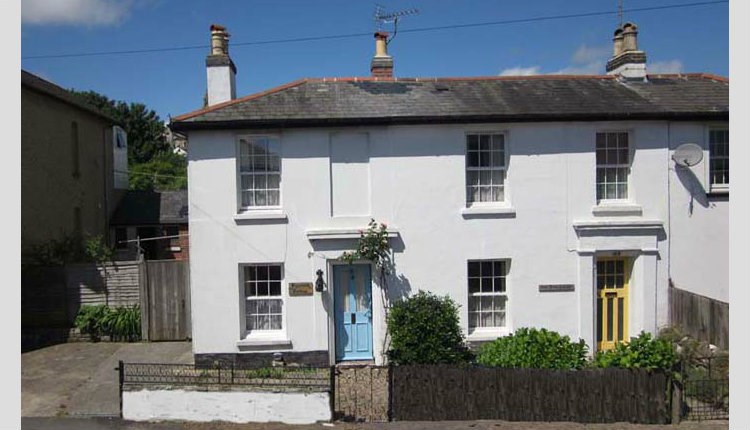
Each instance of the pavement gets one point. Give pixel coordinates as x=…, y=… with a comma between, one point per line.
x=79, y=379
x=117, y=424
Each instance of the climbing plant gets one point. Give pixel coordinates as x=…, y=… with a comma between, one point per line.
x=373, y=246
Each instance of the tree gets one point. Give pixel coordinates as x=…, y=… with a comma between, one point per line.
x=151, y=162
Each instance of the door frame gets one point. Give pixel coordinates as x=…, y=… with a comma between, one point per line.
x=331, y=263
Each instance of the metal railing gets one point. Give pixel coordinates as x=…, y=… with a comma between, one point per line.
x=288, y=378
x=705, y=391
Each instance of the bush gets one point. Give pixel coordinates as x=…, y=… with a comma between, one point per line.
x=643, y=351
x=120, y=323
x=533, y=348
x=424, y=329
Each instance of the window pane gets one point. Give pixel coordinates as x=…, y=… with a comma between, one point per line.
x=486, y=319
x=472, y=177
x=274, y=306
x=474, y=268
x=273, y=198
x=473, y=285
x=262, y=306
x=601, y=157
x=247, y=182
x=484, y=142
x=499, y=285
x=498, y=158
x=274, y=272
x=251, y=307
x=485, y=177
x=472, y=194
x=260, y=198
x=472, y=142
x=484, y=159
x=259, y=163
x=486, y=285
x=496, y=177
x=499, y=319
x=498, y=142
x=273, y=181
x=264, y=322
x=275, y=288
x=500, y=302
x=498, y=194
x=498, y=268
x=260, y=182
x=250, y=290
x=274, y=164
x=250, y=273
x=473, y=320
x=601, y=140
x=245, y=164
x=472, y=159
x=486, y=268
x=275, y=322
x=474, y=304
x=485, y=194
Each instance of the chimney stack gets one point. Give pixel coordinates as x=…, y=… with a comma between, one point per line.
x=220, y=69
x=382, y=63
x=627, y=61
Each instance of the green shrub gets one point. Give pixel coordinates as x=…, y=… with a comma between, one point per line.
x=90, y=318
x=120, y=323
x=643, y=351
x=424, y=329
x=534, y=348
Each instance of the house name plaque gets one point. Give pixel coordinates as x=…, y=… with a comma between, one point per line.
x=556, y=288
x=300, y=289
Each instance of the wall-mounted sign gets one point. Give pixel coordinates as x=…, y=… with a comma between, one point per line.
x=556, y=288
x=300, y=289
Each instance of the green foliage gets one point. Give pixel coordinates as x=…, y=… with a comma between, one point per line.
x=89, y=320
x=643, y=351
x=373, y=246
x=120, y=323
x=66, y=250
x=166, y=171
x=97, y=250
x=534, y=348
x=144, y=127
x=265, y=373
x=151, y=163
x=424, y=329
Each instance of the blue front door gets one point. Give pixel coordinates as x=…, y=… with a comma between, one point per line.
x=353, y=308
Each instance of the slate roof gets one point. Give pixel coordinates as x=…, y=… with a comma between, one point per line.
x=38, y=84
x=151, y=207
x=353, y=101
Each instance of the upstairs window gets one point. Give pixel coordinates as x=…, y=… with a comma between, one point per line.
x=718, y=148
x=259, y=172
x=612, y=166
x=485, y=168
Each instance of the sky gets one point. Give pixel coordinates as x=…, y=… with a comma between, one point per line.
x=173, y=82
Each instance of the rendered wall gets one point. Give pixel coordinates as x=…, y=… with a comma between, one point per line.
x=236, y=407
x=417, y=176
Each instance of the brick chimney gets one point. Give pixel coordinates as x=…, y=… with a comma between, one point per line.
x=627, y=61
x=382, y=63
x=220, y=69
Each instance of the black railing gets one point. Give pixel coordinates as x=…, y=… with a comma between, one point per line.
x=276, y=378
x=705, y=391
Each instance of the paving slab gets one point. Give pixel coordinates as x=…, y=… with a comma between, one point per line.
x=79, y=379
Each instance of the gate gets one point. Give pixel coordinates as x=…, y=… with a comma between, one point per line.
x=705, y=391
x=165, y=300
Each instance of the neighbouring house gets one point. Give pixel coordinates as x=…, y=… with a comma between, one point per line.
x=155, y=221
x=73, y=164
x=547, y=201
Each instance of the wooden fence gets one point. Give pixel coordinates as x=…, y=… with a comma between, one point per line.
x=52, y=296
x=433, y=393
x=165, y=300
x=701, y=317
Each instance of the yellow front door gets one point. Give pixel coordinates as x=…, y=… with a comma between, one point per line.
x=612, y=279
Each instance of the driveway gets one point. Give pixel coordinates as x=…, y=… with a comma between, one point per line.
x=79, y=379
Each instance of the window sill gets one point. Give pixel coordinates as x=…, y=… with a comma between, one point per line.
x=265, y=340
x=718, y=190
x=617, y=209
x=499, y=211
x=252, y=215
x=488, y=334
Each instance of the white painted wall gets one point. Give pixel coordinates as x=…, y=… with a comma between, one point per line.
x=233, y=406
x=417, y=186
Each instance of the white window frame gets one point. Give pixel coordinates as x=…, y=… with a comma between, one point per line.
x=489, y=332
x=722, y=188
x=246, y=332
x=239, y=173
x=506, y=157
x=629, y=166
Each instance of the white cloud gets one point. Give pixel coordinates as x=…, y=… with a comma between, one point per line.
x=671, y=66
x=74, y=12
x=521, y=71
x=587, y=55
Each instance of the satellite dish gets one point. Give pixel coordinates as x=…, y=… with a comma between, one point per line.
x=688, y=155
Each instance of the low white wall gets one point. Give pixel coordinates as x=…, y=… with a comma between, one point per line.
x=235, y=406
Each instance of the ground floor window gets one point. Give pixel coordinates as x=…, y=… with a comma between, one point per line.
x=488, y=296
x=263, y=301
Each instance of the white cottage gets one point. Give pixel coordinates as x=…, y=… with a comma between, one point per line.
x=546, y=201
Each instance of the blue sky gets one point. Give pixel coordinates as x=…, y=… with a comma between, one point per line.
x=689, y=39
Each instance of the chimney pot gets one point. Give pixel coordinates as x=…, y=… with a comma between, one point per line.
x=220, y=69
x=382, y=63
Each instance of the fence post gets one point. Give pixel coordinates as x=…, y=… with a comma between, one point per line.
x=332, y=395
x=390, y=392
x=121, y=376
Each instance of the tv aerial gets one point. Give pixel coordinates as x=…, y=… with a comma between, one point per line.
x=688, y=155
x=382, y=17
